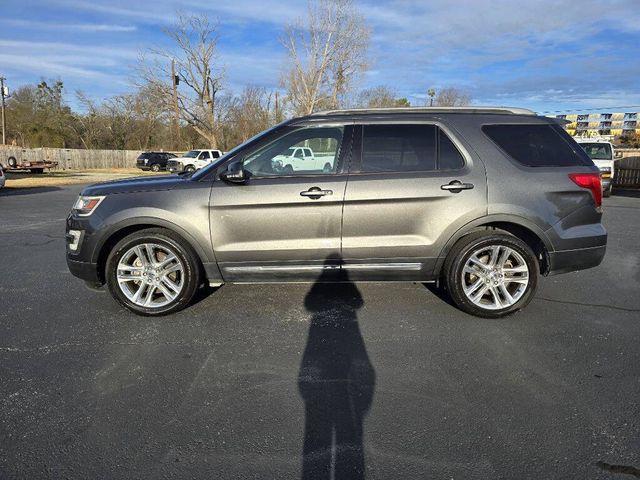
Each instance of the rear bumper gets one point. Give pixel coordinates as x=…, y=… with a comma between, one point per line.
x=564, y=261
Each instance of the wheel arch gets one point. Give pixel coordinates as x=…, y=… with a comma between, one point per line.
x=519, y=227
x=121, y=230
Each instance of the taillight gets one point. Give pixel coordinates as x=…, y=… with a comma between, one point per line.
x=591, y=181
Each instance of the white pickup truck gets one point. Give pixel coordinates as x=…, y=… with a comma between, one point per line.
x=193, y=160
x=300, y=158
x=602, y=154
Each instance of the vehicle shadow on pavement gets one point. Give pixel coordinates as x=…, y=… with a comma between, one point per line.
x=336, y=381
x=12, y=192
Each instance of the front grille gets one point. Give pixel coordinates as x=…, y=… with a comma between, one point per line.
x=174, y=166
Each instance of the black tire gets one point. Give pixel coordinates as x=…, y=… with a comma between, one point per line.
x=174, y=243
x=327, y=168
x=37, y=171
x=287, y=170
x=189, y=169
x=608, y=192
x=12, y=162
x=155, y=167
x=458, y=258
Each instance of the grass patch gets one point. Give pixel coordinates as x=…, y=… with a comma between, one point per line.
x=70, y=177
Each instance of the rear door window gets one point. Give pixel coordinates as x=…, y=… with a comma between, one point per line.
x=398, y=148
x=537, y=145
x=408, y=148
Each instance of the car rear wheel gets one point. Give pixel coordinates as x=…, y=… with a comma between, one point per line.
x=152, y=272
x=491, y=274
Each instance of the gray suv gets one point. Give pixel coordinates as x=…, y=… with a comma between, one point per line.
x=480, y=200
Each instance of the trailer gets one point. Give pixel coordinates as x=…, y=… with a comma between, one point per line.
x=38, y=166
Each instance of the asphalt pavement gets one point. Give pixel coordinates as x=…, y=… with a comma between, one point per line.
x=225, y=389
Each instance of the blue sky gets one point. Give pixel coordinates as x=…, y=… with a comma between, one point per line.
x=544, y=55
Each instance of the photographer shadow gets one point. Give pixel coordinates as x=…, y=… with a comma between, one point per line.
x=336, y=380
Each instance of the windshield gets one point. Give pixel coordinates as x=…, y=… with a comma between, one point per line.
x=597, y=151
x=191, y=154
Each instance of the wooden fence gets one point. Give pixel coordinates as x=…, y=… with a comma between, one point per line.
x=72, y=159
x=627, y=172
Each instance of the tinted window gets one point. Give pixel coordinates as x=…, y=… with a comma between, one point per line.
x=403, y=148
x=204, y=156
x=449, y=157
x=215, y=154
x=537, y=145
x=144, y=155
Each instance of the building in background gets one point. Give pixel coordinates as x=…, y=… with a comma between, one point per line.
x=603, y=124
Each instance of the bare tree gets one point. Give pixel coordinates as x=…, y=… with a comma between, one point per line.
x=195, y=56
x=452, y=97
x=380, y=97
x=326, y=53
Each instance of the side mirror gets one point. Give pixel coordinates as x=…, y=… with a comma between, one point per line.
x=235, y=173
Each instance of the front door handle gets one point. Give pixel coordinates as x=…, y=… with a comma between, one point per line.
x=456, y=186
x=315, y=193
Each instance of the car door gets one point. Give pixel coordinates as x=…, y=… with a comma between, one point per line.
x=412, y=186
x=281, y=225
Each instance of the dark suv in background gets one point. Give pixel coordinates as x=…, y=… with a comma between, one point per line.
x=154, y=161
x=481, y=200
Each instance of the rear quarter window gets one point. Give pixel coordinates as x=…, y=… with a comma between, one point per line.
x=537, y=145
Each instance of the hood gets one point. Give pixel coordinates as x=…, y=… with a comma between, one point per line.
x=182, y=159
x=137, y=184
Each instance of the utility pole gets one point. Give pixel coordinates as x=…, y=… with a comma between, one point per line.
x=4, y=120
x=175, y=80
x=276, y=113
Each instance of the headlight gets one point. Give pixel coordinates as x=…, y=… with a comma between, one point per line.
x=85, y=206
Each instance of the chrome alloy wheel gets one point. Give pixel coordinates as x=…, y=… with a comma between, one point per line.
x=150, y=275
x=495, y=277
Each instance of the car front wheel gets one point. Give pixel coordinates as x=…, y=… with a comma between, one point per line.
x=152, y=272
x=491, y=274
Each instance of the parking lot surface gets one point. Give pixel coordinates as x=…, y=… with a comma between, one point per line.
x=223, y=390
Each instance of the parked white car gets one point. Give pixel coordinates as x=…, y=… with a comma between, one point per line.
x=2, y=177
x=193, y=160
x=299, y=159
x=602, y=154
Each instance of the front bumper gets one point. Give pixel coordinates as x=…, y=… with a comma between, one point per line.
x=175, y=167
x=84, y=270
x=564, y=261
x=81, y=260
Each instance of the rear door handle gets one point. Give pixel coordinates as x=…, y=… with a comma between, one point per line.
x=315, y=193
x=456, y=186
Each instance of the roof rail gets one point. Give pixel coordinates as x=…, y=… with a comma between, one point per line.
x=503, y=110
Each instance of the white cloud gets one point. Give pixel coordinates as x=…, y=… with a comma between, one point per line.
x=81, y=27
